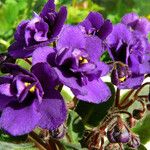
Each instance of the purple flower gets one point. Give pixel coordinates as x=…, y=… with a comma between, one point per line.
x=76, y=63
x=119, y=133
x=39, y=31
x=129, y=51
x=28, y=101
x=94, y=24
x=136, y=23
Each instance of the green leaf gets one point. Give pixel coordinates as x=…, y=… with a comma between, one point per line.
x=66, y=94
x=5, y=137
x=105, y=57
x=23, y=63
x=142, y=129
x=75, y=127
x=68, y=146
x=11, y=146
x=92, y=114
x=141, y=147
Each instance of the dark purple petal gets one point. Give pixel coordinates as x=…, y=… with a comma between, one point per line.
x=5, y=100
x=18, y=50
x=145, y=66
x=42, y=30
x=41, y=54
x=95, y=91
x=48, y=8
x=67, y=79
x=47, y=78
x=134, y=64
x=117, y=42
x=133, y=21
x=15, y=69
x=132, y=82
x=86, y=26
x=96, y=19
x=105, y=30
x=19, y=34
x=53, y=112
x=104, y=68
x=62, y=55
x=74, y=40
x=60, y=20
x=130, y=18
x=5, y=79
x=143, y=26
x=19, y=121
x=120, y=32
x=94, y=48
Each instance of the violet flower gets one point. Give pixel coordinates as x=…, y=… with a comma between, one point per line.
x=39, y=31
x=128, y=50
x=76, y=63
x=94, y=24
x=28, y=101
x=136, y=23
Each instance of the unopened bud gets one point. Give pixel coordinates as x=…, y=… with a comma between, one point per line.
x=148, y=107
x=58, y=133
x=138, y=114
x=119, y=133
x=134, y=142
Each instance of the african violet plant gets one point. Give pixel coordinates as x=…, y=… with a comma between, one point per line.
x=71, y=55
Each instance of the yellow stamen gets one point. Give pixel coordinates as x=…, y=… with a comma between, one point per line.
x=27, y=84
x=83, y=60
x=122, y=79
x=32, y=89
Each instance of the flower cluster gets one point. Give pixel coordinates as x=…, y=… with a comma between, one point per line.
x=128, y=46
x=30, y=99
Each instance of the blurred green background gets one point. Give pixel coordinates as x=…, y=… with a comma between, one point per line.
x=13, y=11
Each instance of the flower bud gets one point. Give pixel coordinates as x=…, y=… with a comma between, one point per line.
x=134, y=142
x=120, y=73
x=119, y=134
x=138, y=114
x=148, y=107
x=59, y=132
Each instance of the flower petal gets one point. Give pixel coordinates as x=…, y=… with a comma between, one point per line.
x=60, y=20
x=48, y=79
x=94, y=48
x=132, y=83
x=105, y=30
x=74, y=40
x=18, y=121
x=5, y=100
x=41, y=54
x=96, y=19
x=53, y=112
x=96, y=91
x=48, y=8
x=130, y=18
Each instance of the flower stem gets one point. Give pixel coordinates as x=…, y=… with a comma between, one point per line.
x=5, y=43
x=134, y=97
x=28, y=61
x=117, y=98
